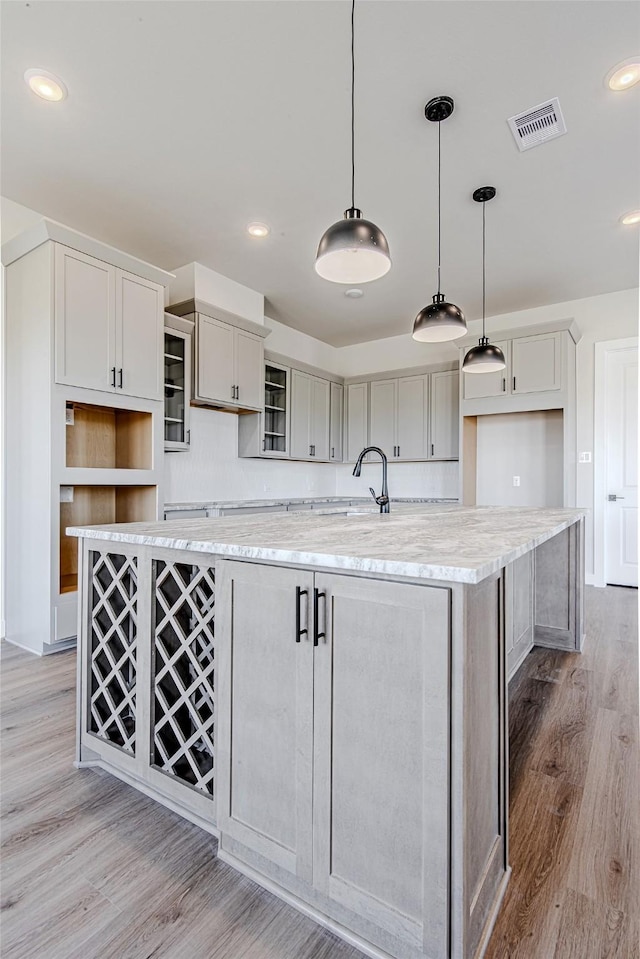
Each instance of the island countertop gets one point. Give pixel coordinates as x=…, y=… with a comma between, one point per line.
x=435, y=542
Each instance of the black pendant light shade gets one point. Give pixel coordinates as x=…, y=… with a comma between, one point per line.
x=353, y=250
x=485, y=357
x=440, y=321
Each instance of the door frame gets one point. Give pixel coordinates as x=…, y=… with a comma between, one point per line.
x=599, y=449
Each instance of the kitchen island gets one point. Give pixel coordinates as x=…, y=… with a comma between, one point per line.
x=326, y=692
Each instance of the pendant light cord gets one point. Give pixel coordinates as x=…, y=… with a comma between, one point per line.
x=439, y=174
x=353, y=83
x=483, y=265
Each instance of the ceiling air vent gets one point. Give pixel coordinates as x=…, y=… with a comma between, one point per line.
x=536, y=126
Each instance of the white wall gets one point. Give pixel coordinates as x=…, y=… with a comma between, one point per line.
x=526, y=445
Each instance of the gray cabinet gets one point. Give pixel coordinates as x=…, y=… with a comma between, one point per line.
x=336, y=415
x=265, y=712
x=519, y=610
x=229, y=365
x=356, y=420
x=444, y=415
x=332, y=733
x=398, y=417
x=108, y=327
x=309, y=416
x=533, y=365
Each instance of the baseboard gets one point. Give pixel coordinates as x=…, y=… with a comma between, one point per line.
x=27, y=649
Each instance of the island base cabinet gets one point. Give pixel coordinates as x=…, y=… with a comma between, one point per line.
x=332, y=746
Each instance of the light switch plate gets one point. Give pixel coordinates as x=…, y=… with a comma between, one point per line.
x=516, y=481
x=584, y=457
x=69, y=416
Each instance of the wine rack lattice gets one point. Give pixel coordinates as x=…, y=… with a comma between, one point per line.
x=183, y=683
x=112, y=702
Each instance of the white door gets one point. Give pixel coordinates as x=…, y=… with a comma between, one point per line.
x=249, y=370
x=84, y=328
x=412, y=418
x=621, y=537
x=139, y=336
x=300, y=415
x=382, y=425
x=216, y=379
x=319, y=423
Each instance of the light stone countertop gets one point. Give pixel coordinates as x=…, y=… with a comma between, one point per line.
x=293, y=501
x=442, y=542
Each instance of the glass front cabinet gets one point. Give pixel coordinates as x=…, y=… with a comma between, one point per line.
x=276, y=410
x=177, y=387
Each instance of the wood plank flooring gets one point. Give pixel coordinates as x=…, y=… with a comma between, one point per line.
x=93, y=870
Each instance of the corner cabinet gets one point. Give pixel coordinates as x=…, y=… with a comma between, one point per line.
x=177, y=383
x=413, y=417
x=317, y=786
x=108, y=327
x=302, y=418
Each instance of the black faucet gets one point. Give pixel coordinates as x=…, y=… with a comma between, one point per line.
x=383, y=499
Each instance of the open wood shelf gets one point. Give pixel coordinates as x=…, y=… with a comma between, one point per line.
x=103, y=437
x=99, y=505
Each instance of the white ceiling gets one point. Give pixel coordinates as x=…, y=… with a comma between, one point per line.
x=186, y=120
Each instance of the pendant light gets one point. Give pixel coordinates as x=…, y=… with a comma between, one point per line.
x=353, y=250
x=485, y=357
x=440, y=320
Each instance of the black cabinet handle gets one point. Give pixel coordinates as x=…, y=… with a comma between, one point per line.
x=514, y=384
x=333, y=452
x=120, y=377
x=188, y=436
x=237, y=392
x=317, y=595
x=504, y=385
x=300, y=632
x=432, y=449
x=113, y=377
x=398, y=451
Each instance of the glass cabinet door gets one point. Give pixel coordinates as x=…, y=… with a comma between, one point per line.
x=177, y=389
x=276, y=403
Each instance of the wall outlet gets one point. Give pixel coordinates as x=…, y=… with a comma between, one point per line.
x=516, y=481
x=584, y=457
x=69, y=416
x=66, y=494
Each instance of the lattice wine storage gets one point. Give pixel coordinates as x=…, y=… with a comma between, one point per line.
x=183, y=673
x=113, y=638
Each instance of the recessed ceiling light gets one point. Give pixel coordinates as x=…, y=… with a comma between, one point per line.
x=354, y=294
x=258, y=229
x=631, y=218
x=624, y=75
x=45, y=84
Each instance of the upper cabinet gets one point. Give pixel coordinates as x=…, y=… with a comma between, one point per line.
x=310, y=402
x=108, y=327
x=177, y=383
x=229, y=365
x=411, y=418
x=445, y=415
x=302, y=416
x=399, y=417
x=540, y=365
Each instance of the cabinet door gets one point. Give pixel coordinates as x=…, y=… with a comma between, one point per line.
x=319, y=423
x=383, y=415
x=177, y=389
x=139, y=320
x=536, y=363
x=412, y=418
x=381, y=755
x=336, y=415
x=249, y=370
x=216, y=380
x=518, y=611
x=445, y=402
x=300, y=415
x=357, y=419
x=264, y=686
x=84, y=328
x=477, y=385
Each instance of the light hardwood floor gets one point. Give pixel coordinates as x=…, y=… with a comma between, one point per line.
x=93, y=870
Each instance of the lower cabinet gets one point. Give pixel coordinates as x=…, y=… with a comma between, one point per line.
x=519, y=612
x=332, y=739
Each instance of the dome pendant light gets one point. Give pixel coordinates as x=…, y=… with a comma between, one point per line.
x=353, y=250
x=440, y=320
x=484, y=358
